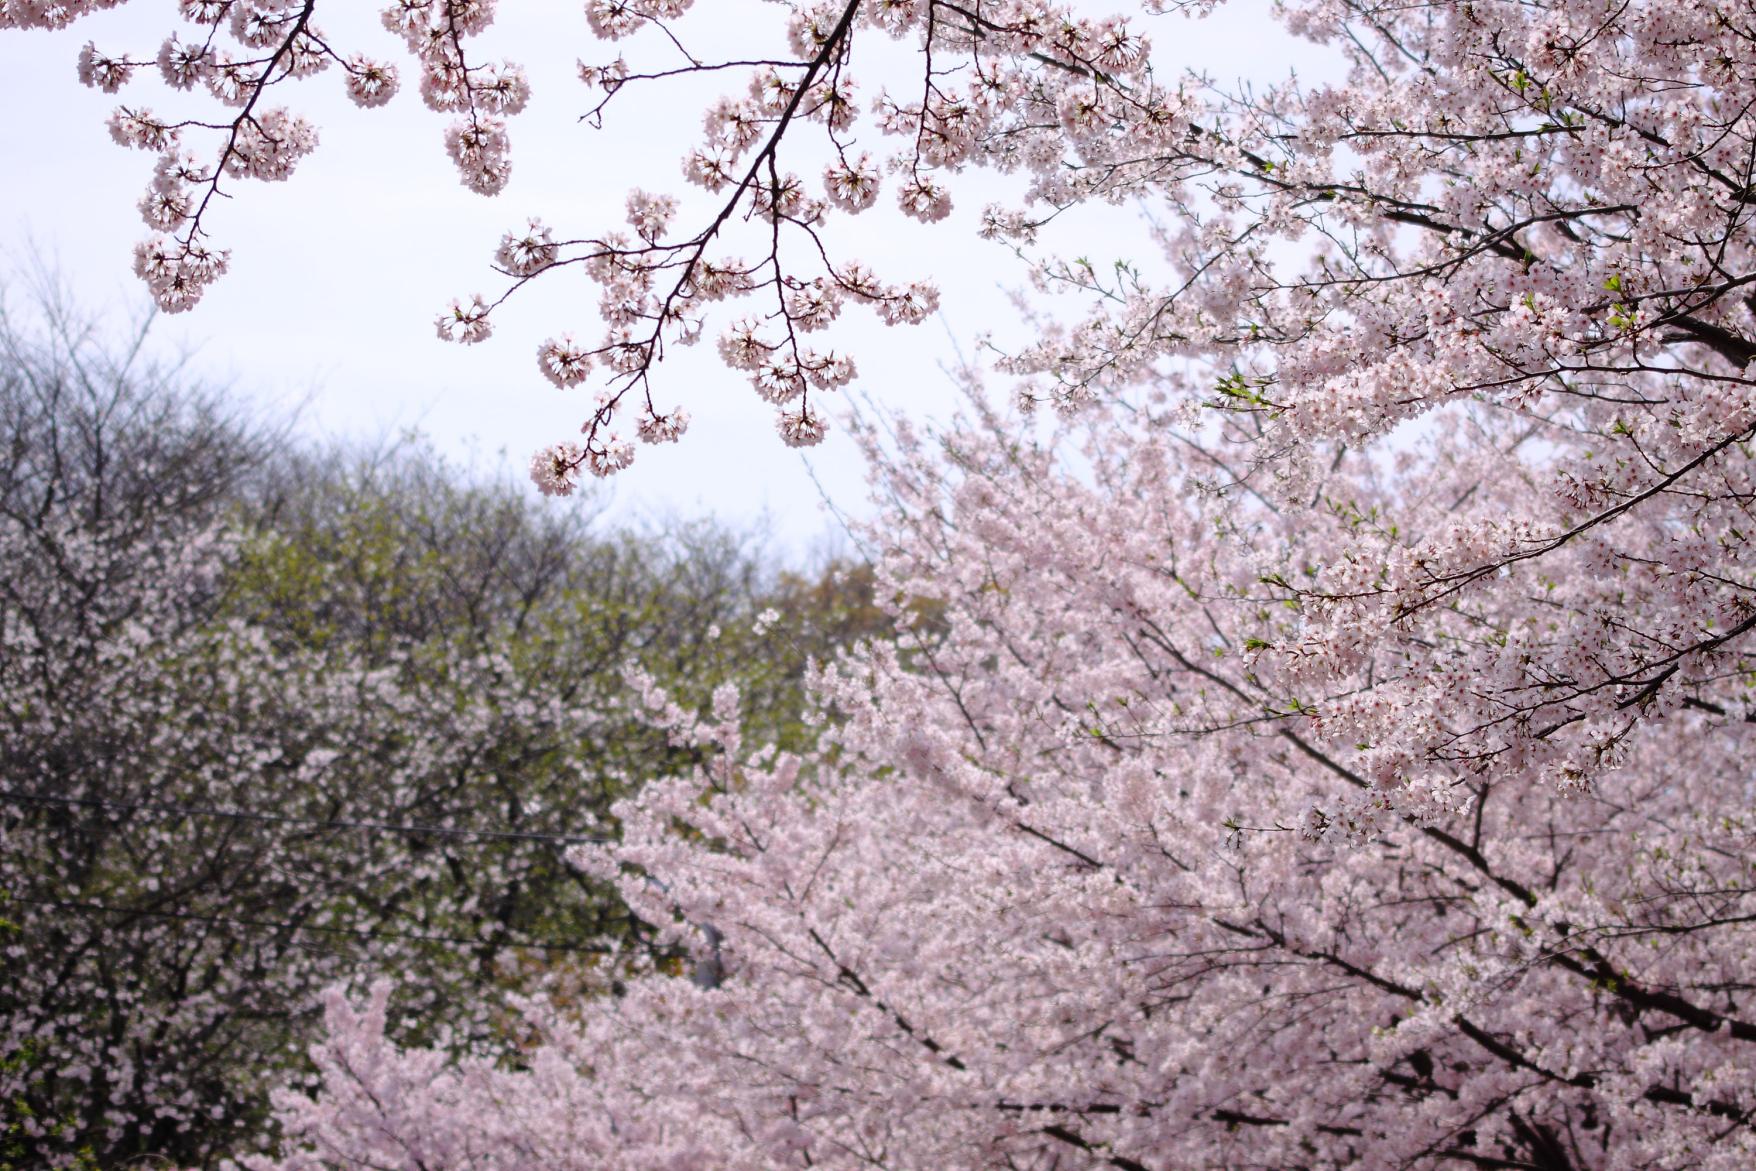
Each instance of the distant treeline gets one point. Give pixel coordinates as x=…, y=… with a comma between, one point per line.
x=276, y=716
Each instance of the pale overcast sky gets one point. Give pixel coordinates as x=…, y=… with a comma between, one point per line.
x=338, y=273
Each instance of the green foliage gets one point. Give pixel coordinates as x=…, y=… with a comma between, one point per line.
x=388, y=641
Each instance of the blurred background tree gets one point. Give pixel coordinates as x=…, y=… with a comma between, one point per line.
x=277, y=715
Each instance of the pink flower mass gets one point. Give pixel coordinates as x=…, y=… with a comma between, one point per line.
x=1323, y=738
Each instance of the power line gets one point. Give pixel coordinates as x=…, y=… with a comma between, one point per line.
x=281, y=819
x=357, y=933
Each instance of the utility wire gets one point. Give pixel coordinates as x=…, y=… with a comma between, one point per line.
x=280, y=819
x=357, y=933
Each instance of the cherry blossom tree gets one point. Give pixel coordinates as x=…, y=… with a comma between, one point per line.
x=1541, y=205
x=274, y=719
x=1069, y=885
x=1330, y=751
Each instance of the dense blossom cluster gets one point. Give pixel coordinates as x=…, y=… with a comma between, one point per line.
x=272, y=726
x=1339, y=757
x=1056, y=893
x=1331, y=751
x=175, y=886
x=197, y=782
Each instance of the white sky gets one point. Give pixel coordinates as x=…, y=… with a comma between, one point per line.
x=337, y=274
